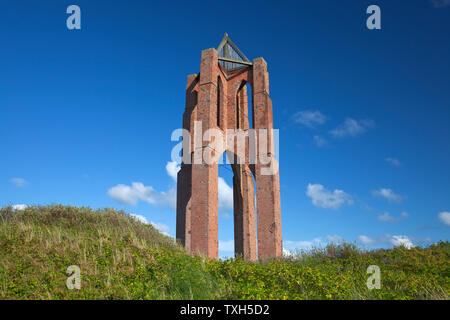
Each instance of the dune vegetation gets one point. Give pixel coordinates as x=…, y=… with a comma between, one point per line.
x=122, y=258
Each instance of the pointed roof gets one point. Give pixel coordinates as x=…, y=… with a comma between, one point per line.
x=230, y=57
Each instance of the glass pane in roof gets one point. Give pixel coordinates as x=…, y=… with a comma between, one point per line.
x=227, y=51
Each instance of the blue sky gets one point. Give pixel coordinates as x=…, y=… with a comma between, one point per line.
x=363, y=114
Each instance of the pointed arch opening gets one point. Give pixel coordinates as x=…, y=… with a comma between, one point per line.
x=244, y=107
x=236, y=188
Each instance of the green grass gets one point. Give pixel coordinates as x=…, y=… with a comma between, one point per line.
x=121, y=258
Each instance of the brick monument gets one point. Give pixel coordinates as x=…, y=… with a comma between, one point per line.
x=216, y=98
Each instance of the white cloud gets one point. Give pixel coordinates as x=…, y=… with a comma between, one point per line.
x=393, y=162
x=402, y=241
x=445, y=218
x=398, y=240
x=227, y=246
x=366, y=240
x=164, y=229
x=404, y=215
x=319, y=141
x=293, y=246
x=352, y=128
x=18, y=207
x=139, y=192
x=161, y=227
x=386, y=217
x=169, y=198
x=326, y=199
x=131, y=195
x=287, y=253
x=139, y=218
x=387, y=194
x=309, y=118
x=19, y=182
x=440, y=3
x=335, y=238
x=225, y=195
x=172, y=169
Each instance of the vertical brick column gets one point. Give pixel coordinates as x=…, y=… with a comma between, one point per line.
x=224, y=104
x=204, y=209
x=184, y=188
x=267, y=186
x=184, y=176
x=244, y=213
x=242, y=107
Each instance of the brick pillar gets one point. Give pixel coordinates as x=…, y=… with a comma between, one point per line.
x=204, y=209
x=184, y=185
x=267, y=185
x=184, y=176
x=243, y=185
x=244, y=212
x=204, y=219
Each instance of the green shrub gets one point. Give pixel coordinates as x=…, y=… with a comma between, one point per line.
x=122, y=258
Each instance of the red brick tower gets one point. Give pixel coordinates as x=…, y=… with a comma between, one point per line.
x=216, y=98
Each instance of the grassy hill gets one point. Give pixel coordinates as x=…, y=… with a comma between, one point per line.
x=122, y=258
